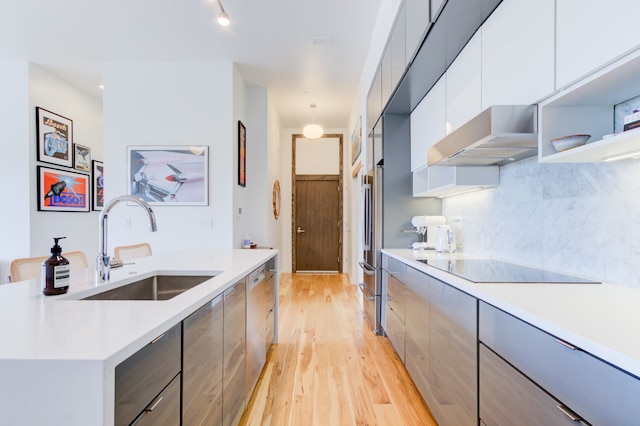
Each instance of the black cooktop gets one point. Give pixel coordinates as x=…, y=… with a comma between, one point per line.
x=495, y=271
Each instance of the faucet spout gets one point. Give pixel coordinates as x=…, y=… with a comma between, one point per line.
x=102, y=262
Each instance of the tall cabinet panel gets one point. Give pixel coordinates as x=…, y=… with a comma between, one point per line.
x=202, y=345
x=417, y=16
x=592, y=33
x=453, y=374
x=518, y=53
x=234, y=353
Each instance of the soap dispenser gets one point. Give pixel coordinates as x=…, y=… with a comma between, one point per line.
x=55, y=272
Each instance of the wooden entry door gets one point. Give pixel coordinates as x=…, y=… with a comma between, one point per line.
x=317, y=227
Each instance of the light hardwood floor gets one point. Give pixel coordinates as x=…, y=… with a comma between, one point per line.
x=328, y=367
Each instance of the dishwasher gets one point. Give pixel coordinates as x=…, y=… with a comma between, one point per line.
x=256, y=327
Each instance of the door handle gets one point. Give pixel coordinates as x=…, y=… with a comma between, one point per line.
x=300, y=230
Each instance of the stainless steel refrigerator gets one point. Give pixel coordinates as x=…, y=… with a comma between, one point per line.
x=371, y=287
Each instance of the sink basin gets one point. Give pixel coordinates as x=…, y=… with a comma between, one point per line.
x=156, y=287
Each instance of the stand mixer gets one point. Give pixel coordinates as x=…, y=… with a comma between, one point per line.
x=427, y=226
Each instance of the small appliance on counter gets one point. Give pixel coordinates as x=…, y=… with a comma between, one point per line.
x=427, y=226
x=445, y=239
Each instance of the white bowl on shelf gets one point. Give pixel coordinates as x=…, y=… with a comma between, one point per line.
x=568, y=142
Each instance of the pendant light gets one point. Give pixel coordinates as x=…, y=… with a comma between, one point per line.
x=223, y=18
x=312, y=131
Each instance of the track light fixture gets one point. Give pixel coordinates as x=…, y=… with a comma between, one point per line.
x=223, y=18
x=312, y=131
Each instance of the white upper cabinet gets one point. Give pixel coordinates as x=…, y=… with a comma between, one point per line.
x=591, y=33
x=427, y=124
x=417, y=16
x=464, y=85
x=518, y=53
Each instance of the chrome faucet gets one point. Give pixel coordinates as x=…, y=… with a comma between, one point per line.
x=103, y=267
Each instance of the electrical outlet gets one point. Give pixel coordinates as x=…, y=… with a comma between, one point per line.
x=206, y=223
x=127, y=222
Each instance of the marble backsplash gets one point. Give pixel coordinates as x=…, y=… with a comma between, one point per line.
x=582, y=219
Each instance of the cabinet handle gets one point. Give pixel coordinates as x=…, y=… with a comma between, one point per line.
x=157, y=338
x=153, y=407
x=567, y=344
x=567, y=412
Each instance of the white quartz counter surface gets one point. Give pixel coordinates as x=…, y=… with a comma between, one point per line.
x=38, y=327
x=602, y=319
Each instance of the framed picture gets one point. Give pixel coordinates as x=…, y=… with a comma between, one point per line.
x=81, y=157
x=356, y=141
x=55, y=138
x=97, y=178
x=176, y=175
x=242, y=154
x=62, y=190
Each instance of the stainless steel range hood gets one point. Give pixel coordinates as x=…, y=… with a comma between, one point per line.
x=499, y=135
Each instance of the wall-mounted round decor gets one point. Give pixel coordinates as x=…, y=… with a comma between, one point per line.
x=276, y=199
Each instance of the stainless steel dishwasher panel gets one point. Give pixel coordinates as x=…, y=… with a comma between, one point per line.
x=256, y=327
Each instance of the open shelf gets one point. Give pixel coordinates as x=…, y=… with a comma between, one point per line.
x=587, y=107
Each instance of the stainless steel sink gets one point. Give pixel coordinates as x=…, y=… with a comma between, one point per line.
x=156, y=287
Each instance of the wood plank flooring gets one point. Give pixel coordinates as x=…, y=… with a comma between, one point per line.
x=328, y=367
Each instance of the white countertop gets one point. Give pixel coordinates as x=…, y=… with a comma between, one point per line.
x=34, y=326
x=602, y=319
x=58, y=354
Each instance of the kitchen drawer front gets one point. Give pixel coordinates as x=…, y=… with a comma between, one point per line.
x=142, y=376
x=394, y=328
x=394, y=267
x=597, y=391
x=396, y=296
x=164, y=409
x=509, y=398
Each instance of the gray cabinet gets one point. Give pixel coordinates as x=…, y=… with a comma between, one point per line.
x=453, y=372
x=394, y=314
x=418, y=21
x=142, y=377
x=507, y=397
x=164, y=409
x=597, y=391
x=202, y=365
x=233, y=373
x=270, y=305
x=256, y=328
x=417, y=329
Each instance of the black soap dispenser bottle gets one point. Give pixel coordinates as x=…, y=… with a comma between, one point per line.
x=55, y=272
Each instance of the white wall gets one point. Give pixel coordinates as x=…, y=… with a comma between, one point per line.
x=54, y=94
x=318, y=156
x=17, y=171
x=171, y=103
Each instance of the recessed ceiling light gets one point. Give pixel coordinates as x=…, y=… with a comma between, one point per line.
x=323, y=40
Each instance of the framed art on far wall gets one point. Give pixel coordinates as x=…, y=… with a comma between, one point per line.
x=55, y=138
x=81, y=157
x=169, y=175
x=62, y=190
x=97, y=180
x=242, y=154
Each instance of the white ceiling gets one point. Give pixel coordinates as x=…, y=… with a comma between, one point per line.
x=269, y=40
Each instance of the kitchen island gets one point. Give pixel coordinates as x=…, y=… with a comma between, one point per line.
x=59, y=354
x=514, y=352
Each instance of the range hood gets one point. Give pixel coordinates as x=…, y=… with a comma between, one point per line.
x=499, y=135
